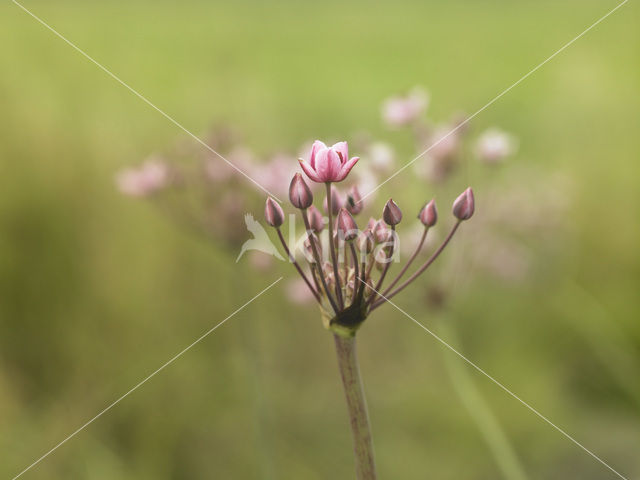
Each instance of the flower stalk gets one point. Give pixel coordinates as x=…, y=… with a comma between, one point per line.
x=332, y=248
x=356, y=406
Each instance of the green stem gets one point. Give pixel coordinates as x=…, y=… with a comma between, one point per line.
x=357, y=406
x=494, y=435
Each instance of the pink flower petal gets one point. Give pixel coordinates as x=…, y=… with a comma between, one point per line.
x=317, y=145
x=343, y=150
x=308, y=169
x=346, y=168
x=327, y=165
x=334, y=164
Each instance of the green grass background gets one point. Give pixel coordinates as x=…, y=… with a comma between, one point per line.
x=97, y=290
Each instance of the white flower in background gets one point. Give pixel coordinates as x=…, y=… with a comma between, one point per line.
x=494, y=145
x=402, y=110
x=440, y=152
x=443, y=143
x=381, y=156
x=153, y=175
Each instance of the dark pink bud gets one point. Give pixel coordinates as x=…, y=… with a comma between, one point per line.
x=273, y=213
x=392, y=215
x=354, y=201
x=316, y=222
x=299, y=193
x=464, y=205
x=347, y=225
x=429, y=214
x=336, y=201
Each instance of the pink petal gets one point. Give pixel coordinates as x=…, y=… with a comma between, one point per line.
x=317, y=145
x=327, y=165
x=334, y=164
x=308, y=169
x=346, y=168
x=321, y=164
x=343, y=149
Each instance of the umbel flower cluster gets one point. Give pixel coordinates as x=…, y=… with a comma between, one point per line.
x=347, y=266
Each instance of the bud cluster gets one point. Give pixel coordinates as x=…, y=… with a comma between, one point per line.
x=347, y=266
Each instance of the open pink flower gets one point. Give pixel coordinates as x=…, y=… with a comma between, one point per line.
x=328, y=164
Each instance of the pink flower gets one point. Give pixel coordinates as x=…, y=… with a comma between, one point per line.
x=398, y=111
x=328, y=164
x=494, y=146
x=150, y=177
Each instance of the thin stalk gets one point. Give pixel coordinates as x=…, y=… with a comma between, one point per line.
x=420, y=270
x=367, y=274
x=408, y=264
x=356, y=406
x=295, y=264
x=362, y=280
x=316, y=256
x=332, y=248
x=345, y=267
x=386, y=267
x=356, y=276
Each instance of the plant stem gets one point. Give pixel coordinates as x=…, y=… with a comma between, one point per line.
x=297, y=265
x=316, y=256
x=332, y=247
x=357, y=407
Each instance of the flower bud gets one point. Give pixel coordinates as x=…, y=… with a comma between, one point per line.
x=273, y=213
x=354, y=201
x=299, y=193
x=380, y=232
x=464, y=205
x=347, y=225
x=316, y=222
x=336, y=201
x=429, y=214
x=371, y=223
x=392, y=214
x=366, y=242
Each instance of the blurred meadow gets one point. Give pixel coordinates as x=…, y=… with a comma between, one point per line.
x=97, y=290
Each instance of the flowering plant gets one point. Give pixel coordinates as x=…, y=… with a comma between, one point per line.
x=347, y=268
